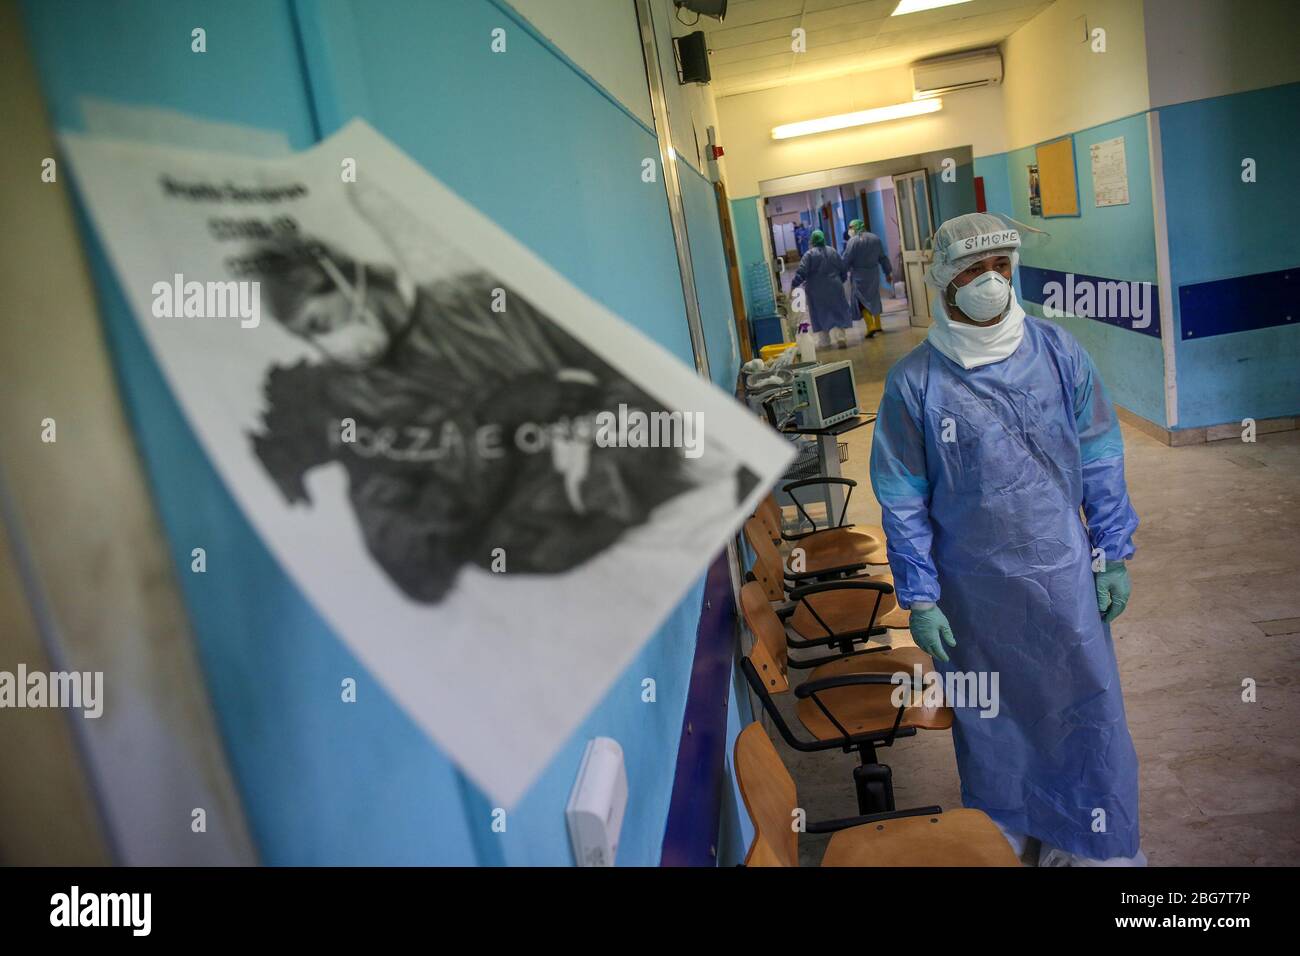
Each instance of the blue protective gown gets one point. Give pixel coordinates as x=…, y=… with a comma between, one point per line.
x=987, y=525
x=823, y=273
x=864, y=257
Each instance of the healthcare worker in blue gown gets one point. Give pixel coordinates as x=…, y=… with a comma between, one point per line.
x=822, y=271
x=864, y=257
x=991, y=436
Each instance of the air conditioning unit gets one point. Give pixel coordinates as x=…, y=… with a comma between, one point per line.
x=956, y=71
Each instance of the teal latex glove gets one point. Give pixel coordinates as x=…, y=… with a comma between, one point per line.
x=930, y=630
x=1113, y=589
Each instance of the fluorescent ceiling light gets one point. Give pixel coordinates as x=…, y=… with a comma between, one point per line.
x=916, y=6
x=861, y=118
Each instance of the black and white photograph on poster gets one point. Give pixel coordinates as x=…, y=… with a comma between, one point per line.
x=1035, y=192
x=434, y=442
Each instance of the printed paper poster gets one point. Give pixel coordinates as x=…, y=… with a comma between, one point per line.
x=491, y=487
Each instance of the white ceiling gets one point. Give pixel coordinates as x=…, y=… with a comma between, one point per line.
x=751, y=51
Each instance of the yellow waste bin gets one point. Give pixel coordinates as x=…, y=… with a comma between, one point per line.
x=769, y=352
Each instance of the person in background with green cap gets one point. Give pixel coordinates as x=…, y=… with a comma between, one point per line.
x=823, y=272
x=865, y=257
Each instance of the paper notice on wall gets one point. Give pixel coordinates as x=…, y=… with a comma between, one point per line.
x=491, y=487
x=1109, y=173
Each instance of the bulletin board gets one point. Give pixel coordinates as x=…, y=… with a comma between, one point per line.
x=1058, y=183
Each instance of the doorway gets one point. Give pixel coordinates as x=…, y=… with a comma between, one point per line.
x=902, y=200
x=916, y=230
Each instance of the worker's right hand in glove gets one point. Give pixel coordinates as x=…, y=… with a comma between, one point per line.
x=930, y=630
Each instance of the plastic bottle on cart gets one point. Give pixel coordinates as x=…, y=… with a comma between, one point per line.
x=807, y=342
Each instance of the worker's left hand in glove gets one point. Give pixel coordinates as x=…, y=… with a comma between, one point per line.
x=1113, y=589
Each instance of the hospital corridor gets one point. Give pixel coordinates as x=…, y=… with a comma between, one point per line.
x=491, y=440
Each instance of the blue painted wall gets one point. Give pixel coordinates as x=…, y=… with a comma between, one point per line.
x=323, y=783
x=736, y=829
x=747, y=225
x=876, y=220
x=712, y=287
x=851, y=210
x=955, y=198
x=997, y=182
x=1220, y=228
x=1115, y=242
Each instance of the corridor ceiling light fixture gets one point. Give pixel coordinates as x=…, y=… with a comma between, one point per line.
x=916, y=6
x=862, y=118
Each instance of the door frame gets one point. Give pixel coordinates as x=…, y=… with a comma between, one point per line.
x=914, y=260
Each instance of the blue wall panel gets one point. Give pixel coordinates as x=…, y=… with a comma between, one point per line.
x=712, y=286
x=955, y=198
x=1222, y=228
x=748, y=227
x=1115, y=242
x=736, y=831
x=1239, y=304
x=1104, y=302
x=566, y=181
x=537, y=833
x=320, y=782
x=851, y=210
x=122, y=50
x=997, y=183
x=876, y=218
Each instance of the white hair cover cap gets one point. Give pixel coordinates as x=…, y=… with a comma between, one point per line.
x=964, y=240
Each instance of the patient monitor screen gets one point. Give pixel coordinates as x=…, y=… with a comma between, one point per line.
x=835, y=392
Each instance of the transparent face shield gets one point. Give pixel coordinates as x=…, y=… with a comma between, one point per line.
x=965, y=240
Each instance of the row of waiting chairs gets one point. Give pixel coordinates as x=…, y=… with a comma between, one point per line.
x=838, y=597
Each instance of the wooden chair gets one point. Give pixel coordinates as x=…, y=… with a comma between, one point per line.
x=847, y=702
x=833, y=546
x=924, y=836
x=827, y=609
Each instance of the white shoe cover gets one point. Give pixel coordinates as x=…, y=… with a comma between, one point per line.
x=1017, y=839
x=1051, y=856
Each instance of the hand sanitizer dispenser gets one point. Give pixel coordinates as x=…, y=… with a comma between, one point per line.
x=596, y=805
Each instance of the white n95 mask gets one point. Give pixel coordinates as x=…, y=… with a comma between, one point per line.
x=971, y=346
x=984, y=298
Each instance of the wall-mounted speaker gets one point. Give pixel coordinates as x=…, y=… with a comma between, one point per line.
x=705, y=8
x=693, y=58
